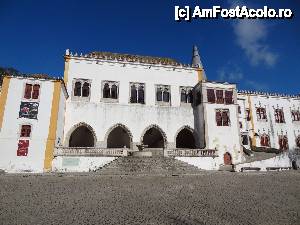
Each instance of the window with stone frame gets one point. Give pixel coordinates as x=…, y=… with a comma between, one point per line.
x=186, y=95
x=25, y=131
x=137, y=93
x=283, y=142
x=295, y=115
x=163, y=95
x=228, y=97
x=222, y=117
x=220, y=96
x=110, y=90
x=211, y=97
x=265, y=140
x=241, y=125
x=279, y=116
x=261, y=114
x=81, y=89
x=32, y=91
x=248, y=115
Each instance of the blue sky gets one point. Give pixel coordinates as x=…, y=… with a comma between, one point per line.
x=257, y=55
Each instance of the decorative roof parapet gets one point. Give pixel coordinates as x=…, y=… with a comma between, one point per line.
x=247, y=92
x=130, y=58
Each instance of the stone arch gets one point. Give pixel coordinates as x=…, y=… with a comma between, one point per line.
x=118, y=136
x=185, y=138
x=227, y=158
x=159, y=135
x=72, y=138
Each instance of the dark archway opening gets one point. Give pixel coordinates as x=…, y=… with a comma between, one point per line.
x=153, y=138
x=185, y=139
x=82, y=137
x=118, y=138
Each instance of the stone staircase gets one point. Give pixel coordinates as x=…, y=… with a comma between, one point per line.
x=148, y=166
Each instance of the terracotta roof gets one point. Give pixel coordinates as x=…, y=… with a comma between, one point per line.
x=130, y=58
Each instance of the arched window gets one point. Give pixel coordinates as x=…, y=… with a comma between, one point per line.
x=141, y=95
x=166, y=95
x=77, y=89
x=133, y=98
x=190, y=97
x=183, y=96
x=265, y=140
x=86, y=89
x=106, y=91
x=159, y=94
x=114, y=91
x=36, y=91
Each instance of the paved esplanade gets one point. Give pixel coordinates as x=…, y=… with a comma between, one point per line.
x=208, y=198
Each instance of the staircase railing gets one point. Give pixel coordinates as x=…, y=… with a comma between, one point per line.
x=192, y=152
x=90, y=151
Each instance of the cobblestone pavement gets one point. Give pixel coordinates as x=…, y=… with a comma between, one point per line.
x=208, y=198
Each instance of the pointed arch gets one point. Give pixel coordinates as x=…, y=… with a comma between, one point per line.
x=185, y=138
x=73, y=137
x=158, y=139
x=118, y=136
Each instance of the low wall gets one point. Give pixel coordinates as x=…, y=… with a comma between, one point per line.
x=281, y=160
x=79, y=164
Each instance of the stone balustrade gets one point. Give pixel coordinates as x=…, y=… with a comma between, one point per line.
x=192, y=152
x=87, y=151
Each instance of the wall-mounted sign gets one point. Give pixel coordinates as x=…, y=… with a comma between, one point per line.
x=29, y=110
x=23, y=146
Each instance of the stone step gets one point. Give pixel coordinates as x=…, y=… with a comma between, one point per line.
x=148, y=165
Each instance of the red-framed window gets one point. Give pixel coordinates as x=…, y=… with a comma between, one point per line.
x=279, y=116
x=222, y=117
x=32, y=91
x=228, y=97
x=211, y=98
x=220, y=96
x=261, y=113
x=25, y=131
x=265, y=140
x=283, y=142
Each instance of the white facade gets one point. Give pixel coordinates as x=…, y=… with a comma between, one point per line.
x=110, y=105
x=10, y=133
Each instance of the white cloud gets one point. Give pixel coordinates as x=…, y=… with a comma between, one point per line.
x=251, y=36
x=231, y=73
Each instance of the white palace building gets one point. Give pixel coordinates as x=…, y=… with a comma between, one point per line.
x=112, y=105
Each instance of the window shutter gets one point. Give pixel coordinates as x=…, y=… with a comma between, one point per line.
x=28, y=90
x=36, y=91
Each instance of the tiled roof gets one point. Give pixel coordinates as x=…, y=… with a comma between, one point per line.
x=131, y=58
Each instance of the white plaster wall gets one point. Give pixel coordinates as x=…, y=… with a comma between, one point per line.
x=278, y=161
x=136, y=118
x=84, y=164
x=289, y=128
x=205, y=163
x=102, y=116
x=223, y=138
x=61, y=118
x=9, y=135
x=115, y=71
